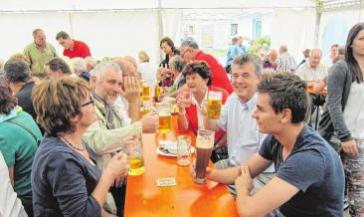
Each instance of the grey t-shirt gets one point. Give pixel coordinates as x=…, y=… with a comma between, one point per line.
x=315, y=169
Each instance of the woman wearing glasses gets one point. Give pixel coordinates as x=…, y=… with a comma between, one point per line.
x=65, y=180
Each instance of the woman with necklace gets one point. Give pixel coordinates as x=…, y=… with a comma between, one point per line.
x=65, y=180
x=190, y=102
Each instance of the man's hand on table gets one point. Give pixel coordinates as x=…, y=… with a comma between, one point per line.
x=244, y=181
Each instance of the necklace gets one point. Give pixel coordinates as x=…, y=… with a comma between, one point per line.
x=73, y=146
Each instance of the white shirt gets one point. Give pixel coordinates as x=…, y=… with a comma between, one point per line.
x=286, y=63
x=148, y=73
x=10, y=205
x=243, y=136
x=306, y=73
x=200, y=116
x=354, y=111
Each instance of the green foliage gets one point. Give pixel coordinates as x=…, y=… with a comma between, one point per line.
x=258, y=45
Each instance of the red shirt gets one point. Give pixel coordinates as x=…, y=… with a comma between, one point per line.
x=219, y=76
x=191, y=114
x=80, y=49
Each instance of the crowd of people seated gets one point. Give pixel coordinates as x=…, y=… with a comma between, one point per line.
x=66, y=122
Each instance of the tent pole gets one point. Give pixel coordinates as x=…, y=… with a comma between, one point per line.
x=317, y=24
x=160, y=21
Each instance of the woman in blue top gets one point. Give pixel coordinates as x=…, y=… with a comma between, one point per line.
x=65, y=180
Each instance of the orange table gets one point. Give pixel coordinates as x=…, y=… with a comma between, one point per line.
x=145, y=198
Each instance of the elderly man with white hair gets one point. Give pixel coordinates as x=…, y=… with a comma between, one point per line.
x=114, y=129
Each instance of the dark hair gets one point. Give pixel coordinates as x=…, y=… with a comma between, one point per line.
x=7, y=100
x=59, y=64
x=168, y=41
x=349, y=57
x=199, y=67
x=17, y=71
x=243, y=59
x=57, y=101
x=62, y=34
x=287, y=91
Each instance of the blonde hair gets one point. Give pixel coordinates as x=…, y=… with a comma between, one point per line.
x=143, y=56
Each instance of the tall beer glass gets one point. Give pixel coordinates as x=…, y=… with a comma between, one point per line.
x=145, y=91
x=204, y=146
x=164, y=113
x=214, y=103
x=135, y=157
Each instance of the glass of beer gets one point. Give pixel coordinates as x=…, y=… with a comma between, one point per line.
x=204, y=146
x=145, y=91
x=164, y=113
x=183, y=150
x=145, y=108
x=135, y=157
x=214, y=103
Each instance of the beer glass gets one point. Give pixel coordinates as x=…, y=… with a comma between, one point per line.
x=157, y=93
x=145, y=91
x=135, y=157
x=204, y=146
x=183, y=150
x=164, y=113
x=214, y=102
x=145, y=108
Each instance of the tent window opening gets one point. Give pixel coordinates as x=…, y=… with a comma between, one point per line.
x=233, y=29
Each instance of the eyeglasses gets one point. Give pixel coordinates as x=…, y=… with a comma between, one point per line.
x=88, y=103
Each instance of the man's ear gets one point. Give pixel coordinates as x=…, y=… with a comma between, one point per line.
x=286, y=116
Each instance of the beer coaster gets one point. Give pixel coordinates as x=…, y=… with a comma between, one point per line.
x=164, y=182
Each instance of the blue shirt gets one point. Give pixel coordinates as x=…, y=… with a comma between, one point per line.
x=63, y=181
x=315, y=169
x=234, y=51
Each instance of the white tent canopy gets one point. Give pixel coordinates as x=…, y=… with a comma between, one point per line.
x=16, y=5
x=117, y=28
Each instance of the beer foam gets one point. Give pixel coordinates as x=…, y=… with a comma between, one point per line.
x=204, y=143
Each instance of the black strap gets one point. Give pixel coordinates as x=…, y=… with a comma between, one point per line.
x=37, y=140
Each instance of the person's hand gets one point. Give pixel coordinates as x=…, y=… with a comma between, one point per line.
x=193, y=170
x=318, y=86
x=131, y=89
x=118, y=166
x=244, y=180
x=183, y=100
x=350, y=147
x=150, y=122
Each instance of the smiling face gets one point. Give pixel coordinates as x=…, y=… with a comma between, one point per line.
x=269, y=122
x=108, y=86
x=196, y=83
x=166, y=48
x=244, y=80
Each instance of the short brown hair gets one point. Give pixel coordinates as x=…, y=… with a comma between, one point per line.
x=7, y=100
x=57, y=63
x=62, y=34
x=57, y=101
x=199, y=67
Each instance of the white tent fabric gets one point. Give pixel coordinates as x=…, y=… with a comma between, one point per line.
x=294, y=28
x=139, y=4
